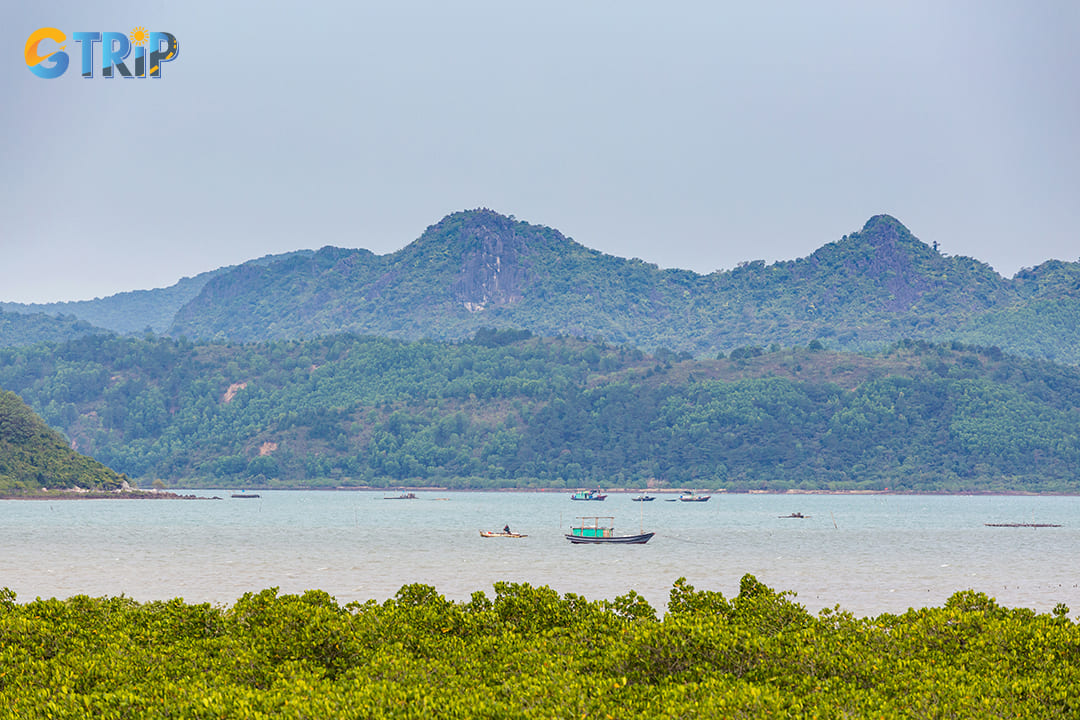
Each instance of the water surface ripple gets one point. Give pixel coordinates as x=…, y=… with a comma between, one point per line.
x=866, y=553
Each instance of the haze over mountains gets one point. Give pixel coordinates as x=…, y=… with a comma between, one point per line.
x=478, y=269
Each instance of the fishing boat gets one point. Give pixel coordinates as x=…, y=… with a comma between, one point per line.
x=600, y=531
x=798, y=515
x=491, y=534
x=402, y=496
x=689, y=496
x=643, y=498
x=588, y=495
x=243, y=495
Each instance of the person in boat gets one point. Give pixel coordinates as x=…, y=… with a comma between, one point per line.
x=506, y=528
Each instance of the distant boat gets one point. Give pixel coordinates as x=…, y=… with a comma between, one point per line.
x=689, y=496
x=491, y=534
x=245, y=495
x=403, y=496
x=590, y=531
x=588, y=495
x=794, y=515
x=643, y=498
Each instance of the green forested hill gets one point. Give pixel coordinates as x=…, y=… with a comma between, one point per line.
x=470, y=270
x=126, y=313
x=479, y=268
x=34, y=456
x=506, y=409
x=28, y=328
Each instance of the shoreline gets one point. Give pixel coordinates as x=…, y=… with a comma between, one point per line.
x=105, y=495
x=172, y=495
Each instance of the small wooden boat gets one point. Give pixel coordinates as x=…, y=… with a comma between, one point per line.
x=689, y=496
x=491, y=534
x=643, y=498
x=590, y=531
x=244, y=495
x=403, y=496
x=588, y=495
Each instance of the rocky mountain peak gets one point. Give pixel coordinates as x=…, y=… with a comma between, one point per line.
x=494, y=264
x=487, y=252
x=885, y=230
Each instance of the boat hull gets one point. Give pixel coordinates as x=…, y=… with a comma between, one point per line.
x=617, y=540
x=489, y=534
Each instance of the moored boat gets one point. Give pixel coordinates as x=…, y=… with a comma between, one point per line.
x=689, y=496
x=601, y=531
x=588, y=495
x=643, y=498
x=403, y=496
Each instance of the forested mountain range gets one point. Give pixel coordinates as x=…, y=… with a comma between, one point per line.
x=33, y=456
x=481, y=269
x=128, y=312
x=133, y=312
x=507, y=409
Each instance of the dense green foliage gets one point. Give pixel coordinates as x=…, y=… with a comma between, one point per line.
x=529, y=653
x=34, y=456
x=511, y=410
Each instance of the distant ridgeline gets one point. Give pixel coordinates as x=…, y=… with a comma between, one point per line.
x=25, y=328
x=34, y=456
x=134, y=312
x=480, y=269
x=507, y=409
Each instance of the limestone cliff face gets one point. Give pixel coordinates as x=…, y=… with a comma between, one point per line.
x=493, y=264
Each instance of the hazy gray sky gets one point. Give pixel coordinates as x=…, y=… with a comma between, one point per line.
x=689, y=134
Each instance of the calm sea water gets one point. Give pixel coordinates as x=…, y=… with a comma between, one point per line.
x=867, y=554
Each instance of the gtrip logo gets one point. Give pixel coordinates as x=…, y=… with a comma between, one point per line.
x=46, y=58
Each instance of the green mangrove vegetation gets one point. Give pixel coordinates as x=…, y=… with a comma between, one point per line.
x=528, y=652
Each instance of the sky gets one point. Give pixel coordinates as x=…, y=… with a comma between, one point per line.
x=690, y=134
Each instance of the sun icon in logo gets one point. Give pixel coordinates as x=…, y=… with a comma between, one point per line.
x=139, y=36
